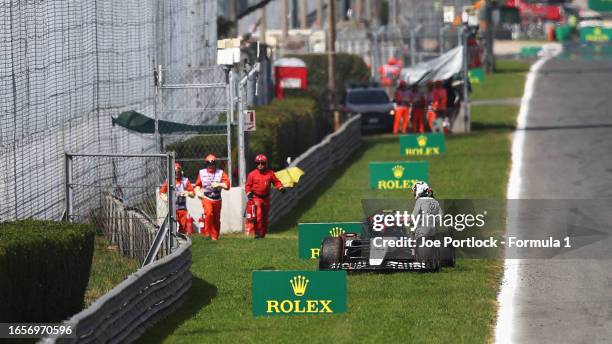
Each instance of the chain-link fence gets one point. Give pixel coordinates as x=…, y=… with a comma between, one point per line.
x=67, y=67
x=119, y=197
x=197, y=97
x=416, y=32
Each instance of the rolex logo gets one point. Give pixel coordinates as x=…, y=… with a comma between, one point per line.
x=298, y=284
x=422, y=140
x=336, y=231
x=398, y=171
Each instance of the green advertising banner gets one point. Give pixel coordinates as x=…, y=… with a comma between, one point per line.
x=399, y=175
x=595, y=34
x=530, y=51
x=476, y=75
x=298, y=292
x=601, y=5
x=310, y=235
x=422, y=144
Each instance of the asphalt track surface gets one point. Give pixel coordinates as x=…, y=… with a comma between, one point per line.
x=567, y=154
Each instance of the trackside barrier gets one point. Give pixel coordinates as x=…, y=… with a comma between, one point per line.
x=316, y=163
x=128, y=310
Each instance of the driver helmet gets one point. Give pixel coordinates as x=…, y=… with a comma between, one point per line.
x=421, y=189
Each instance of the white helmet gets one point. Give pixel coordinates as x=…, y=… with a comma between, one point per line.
x=420, y=189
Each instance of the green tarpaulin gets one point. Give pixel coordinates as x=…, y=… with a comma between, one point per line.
x=140, y=123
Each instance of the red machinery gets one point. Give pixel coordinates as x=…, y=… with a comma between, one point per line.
x=545, y=10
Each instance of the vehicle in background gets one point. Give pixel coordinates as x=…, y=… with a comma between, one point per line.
x=374, y=105
x=543, y=10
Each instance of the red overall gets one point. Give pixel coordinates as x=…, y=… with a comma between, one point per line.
x=418, y=112
x=258, y=183
x=402, y=111
x=184, y=221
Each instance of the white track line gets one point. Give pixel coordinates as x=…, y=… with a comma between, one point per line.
x=505, y=298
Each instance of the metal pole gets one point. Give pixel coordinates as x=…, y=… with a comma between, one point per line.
x=233, y=10
x=331, y=61
x=242, y=105
x=441, y=39
x=171, y=200
x=284, y=22
x=68, y=186
x=319, y=14
x=303, y=14
x=158, y=93
x=412, y=48
x=230, y=117
x=241, y=146
x=466, y=96
x=262, y=26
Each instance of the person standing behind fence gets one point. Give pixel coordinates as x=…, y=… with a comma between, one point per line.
x=433, y=102
x=184, y=189
x=442, y=99
x=209, y=183
x=417, y=104
x=402, y=111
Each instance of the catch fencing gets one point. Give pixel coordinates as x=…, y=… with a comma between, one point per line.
x=316, y=163
x=68, y=67
x=416, y=32
x=136, y=304
x=119, y=197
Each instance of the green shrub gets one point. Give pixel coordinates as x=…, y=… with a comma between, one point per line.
x=44, y=269
x=287, y=128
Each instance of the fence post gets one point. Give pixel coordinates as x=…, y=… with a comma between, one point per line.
x=241, y=147
x=230, y=118
x=171, y=197
x=466, y=80
x=413, y=49
x=68, y=185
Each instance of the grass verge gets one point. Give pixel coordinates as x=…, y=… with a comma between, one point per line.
x=507, y=82
x=108, y=269
x=457, y=305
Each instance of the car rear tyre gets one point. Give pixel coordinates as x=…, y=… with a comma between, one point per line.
x=447, y=256
x=331, y=253
x=430, y=257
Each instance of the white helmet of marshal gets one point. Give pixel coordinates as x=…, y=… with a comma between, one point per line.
x=420, y=189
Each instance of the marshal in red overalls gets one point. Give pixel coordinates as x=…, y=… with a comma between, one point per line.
x=258, y=187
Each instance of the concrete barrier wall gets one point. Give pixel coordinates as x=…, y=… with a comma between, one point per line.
x=316, y=163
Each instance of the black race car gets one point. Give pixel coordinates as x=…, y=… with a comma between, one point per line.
x=392, y=248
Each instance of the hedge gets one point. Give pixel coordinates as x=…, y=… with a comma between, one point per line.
x=44, y=269
x=287, y=128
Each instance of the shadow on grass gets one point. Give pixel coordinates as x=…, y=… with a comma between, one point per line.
x=200, y=295
x=290, y=220
x=513, y=70
x=477, y=126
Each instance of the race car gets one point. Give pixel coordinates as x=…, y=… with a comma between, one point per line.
x=390, y=249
